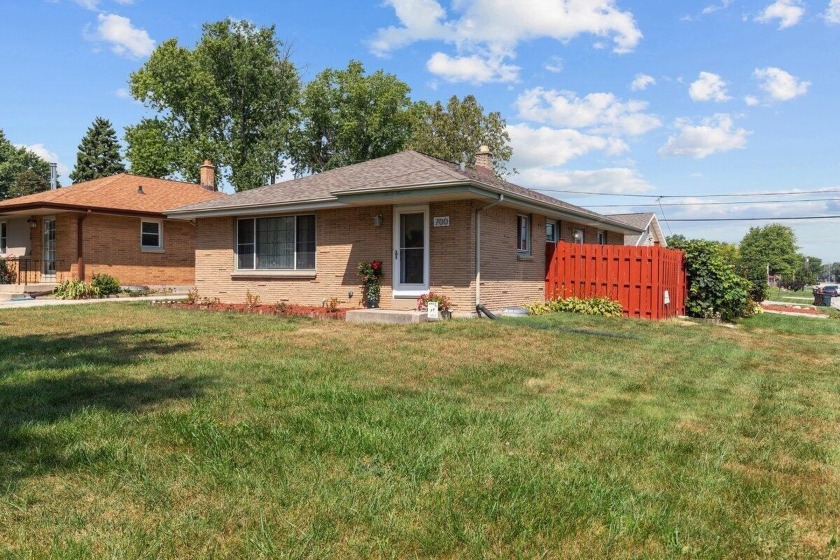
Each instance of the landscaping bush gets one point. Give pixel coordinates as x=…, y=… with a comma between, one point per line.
x=715, y=290
x=6, y=276
x=604, y=307
x=76, y=289
x=106, y=284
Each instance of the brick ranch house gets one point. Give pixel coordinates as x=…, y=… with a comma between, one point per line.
x=435, y=225
x=114, y=225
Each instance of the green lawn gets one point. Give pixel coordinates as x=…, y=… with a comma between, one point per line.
x=804, y=297
x=135, y=432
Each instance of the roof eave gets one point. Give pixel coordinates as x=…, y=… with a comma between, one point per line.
x=254, y=209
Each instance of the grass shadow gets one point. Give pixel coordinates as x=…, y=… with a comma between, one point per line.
x=47, y=381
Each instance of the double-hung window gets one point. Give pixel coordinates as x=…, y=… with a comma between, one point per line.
x=151, y=235
x=552, y=229
x=577, y=236
x=276, y=243
x=523, y=234
x=602, y=238
x=3, y=239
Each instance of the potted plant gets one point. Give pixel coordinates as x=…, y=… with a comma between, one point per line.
x=444, y=305
x=370, y=273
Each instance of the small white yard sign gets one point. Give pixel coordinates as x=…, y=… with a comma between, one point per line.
x=432, y=308
x=666, y=297
x=440, y=221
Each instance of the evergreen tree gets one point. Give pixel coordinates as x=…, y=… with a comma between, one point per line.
x=99, y=153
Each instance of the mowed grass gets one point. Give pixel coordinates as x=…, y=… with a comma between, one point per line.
x=128, y=431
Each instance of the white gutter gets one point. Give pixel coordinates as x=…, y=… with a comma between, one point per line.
x=478, y=247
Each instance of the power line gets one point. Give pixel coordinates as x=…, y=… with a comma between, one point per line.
x=655, y=204
x=742, y=195
x=769, y=219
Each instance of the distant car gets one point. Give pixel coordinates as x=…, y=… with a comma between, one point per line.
x=832, y=291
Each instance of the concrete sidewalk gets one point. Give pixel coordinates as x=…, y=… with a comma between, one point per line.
x=45, y=302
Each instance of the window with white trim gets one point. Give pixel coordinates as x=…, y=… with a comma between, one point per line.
x=523, y=234
x=3, y=238
x=577, y=236
x=552, y=229
x=276, y=243
x=151, y=234
x=602, y=238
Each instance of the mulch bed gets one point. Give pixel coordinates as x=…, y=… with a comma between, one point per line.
x=792, y=309
x=288, y=310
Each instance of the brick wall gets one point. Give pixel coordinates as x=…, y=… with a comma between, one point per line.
x=347, y=236
x=112, y=246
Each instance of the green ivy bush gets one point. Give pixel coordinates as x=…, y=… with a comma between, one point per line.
x=604, y=307
x=76, y=289
x=106, y=284
x=715, y=290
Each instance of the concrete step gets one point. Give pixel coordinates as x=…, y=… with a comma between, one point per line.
x=9, y=296
x=386, y=316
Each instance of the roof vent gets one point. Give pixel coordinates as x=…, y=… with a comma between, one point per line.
x=140, y=189
x=53, y=176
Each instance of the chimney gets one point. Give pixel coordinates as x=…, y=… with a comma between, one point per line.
x=53, y=176
x=484, y=161
x=208, y=175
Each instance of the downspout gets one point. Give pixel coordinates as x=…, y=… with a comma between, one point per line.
x=478, y=253
x=80, y=246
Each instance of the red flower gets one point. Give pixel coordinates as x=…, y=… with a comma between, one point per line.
x=375, y=265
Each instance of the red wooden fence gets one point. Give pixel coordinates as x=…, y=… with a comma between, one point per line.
x=648, y=281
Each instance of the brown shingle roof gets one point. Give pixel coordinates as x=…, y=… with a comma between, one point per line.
x=116, y=193
x=401, y=170
x=639, y=220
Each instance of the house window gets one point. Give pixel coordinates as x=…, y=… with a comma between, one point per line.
x=577, y=236
x=3, y=241
x=551, y=230
x=151, y=235
x=278, y=243
x=602, y=238
x=523, y=234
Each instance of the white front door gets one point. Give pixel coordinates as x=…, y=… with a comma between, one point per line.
x=411, y=251
x=48, y=269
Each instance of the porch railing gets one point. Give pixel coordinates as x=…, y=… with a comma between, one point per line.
x=25, y=270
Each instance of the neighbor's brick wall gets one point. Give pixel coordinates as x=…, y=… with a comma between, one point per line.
x=590, y=234
x=112, y=246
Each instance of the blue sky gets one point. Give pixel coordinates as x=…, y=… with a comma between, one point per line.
x=612, y=96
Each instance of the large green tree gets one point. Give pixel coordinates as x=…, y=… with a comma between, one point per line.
x=455, y=132
x=28, y=182
x=231, y=99
x=772, y=246
x=99, y=153
x=14, y=161
x=349, y=117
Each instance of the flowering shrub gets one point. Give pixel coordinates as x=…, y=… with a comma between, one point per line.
x=604, y=307
x=443, y=302
x=370, y=273
x=6, y=276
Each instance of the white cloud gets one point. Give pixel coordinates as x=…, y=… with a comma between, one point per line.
x=780, y=85
x=751, y=100
x=548, y=147
x=554, y=64
x=49, y=156
x=788, y=12
x=641, y=82
x=125, y=39
x=712, y=8
x=602, y=113
x=708, y=87
x=493, y=28
x=832, y=13
x=609, y=180
x=473, y=69
x=122, y=93
x=714, y=134
x=88, y=4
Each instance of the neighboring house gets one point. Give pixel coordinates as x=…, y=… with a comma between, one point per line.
x=651, y=235
x=114, y=225
x=435, y=225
